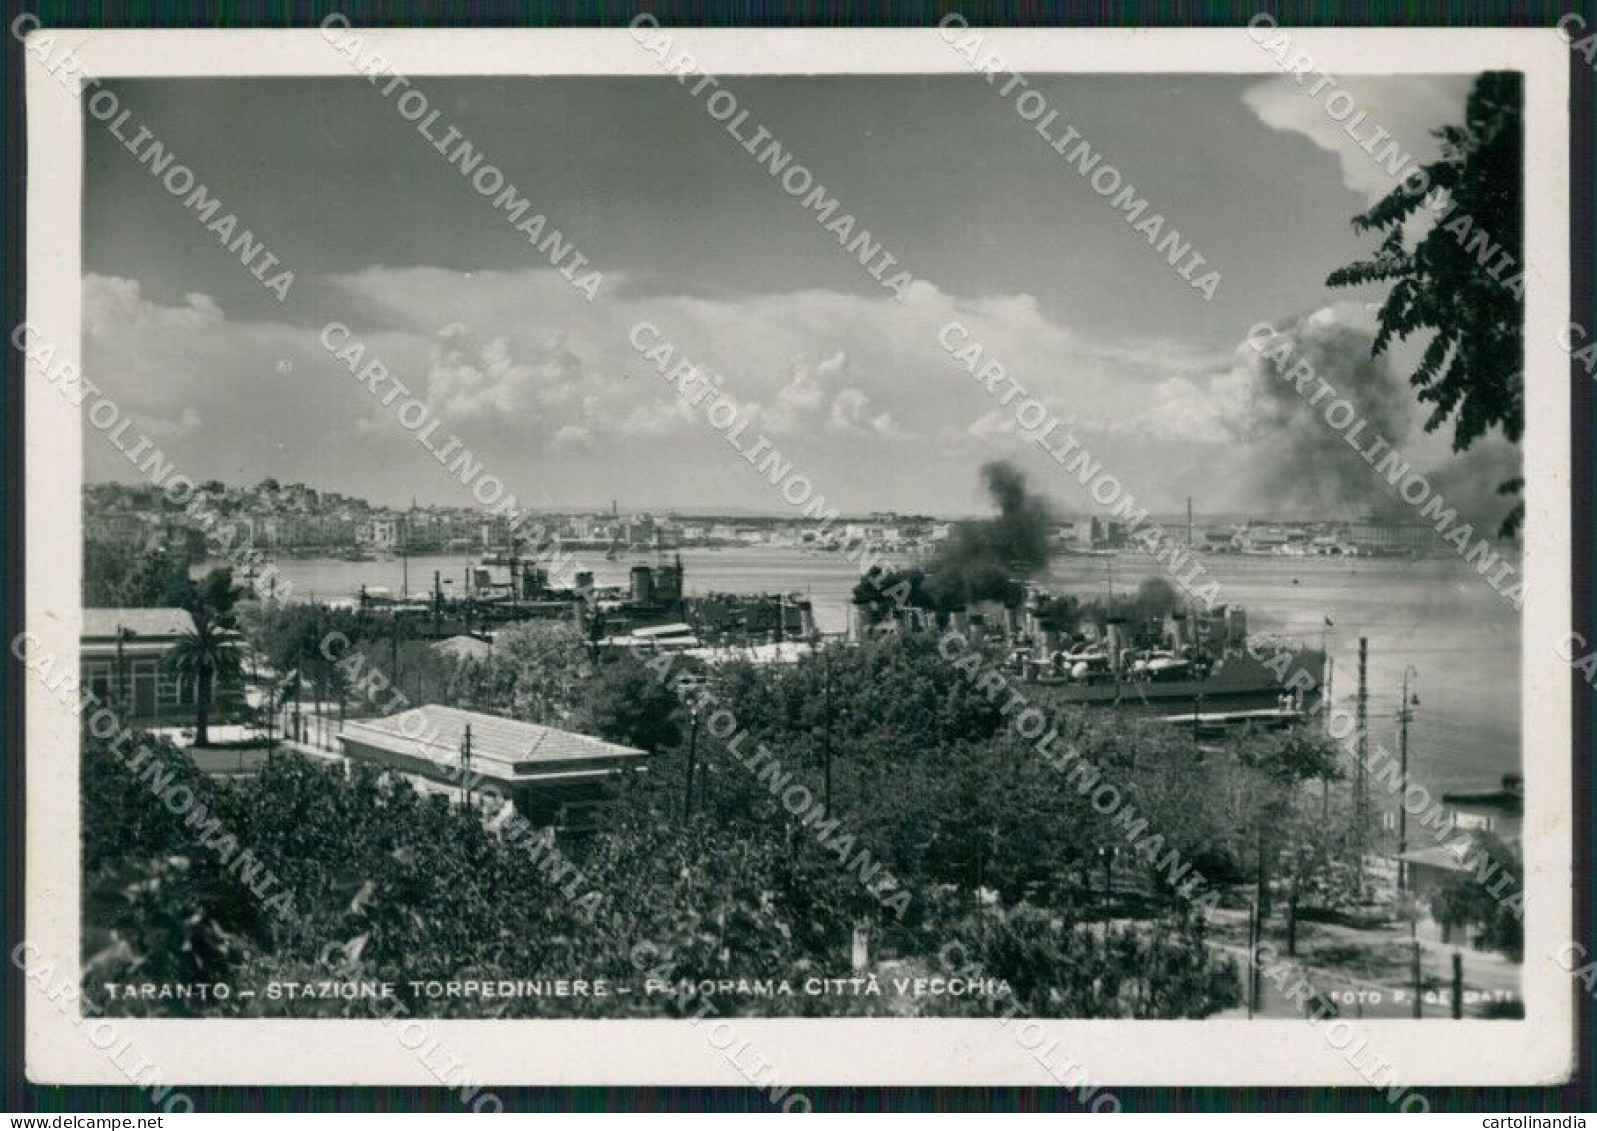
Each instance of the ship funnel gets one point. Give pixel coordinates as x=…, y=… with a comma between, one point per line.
x=856, y=622
x=642, y=585
x=1116, y=627
x=807, y=620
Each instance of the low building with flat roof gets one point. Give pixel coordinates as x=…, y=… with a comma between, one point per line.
x=554, y=777
x=122, y=659
x=1499, y=810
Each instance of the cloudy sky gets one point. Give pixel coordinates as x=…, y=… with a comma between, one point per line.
x=690, y=234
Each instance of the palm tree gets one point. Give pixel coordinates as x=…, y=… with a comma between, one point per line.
x=208, y=653
x=1462, y=281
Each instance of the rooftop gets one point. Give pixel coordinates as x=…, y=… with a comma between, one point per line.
x=464, y=648
x=500, y=747
x=1448, y=857
x=1509, y=798
x=108, y=623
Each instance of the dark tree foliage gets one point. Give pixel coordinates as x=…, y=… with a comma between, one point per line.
x=881, y=591
x=157, y=904
x=123, y=818
x=1294, y=757
x=1466, y=902
x=114, y=577
x=208, y=653
x=626, y=703
x=1451, y=283
x=360, y=876
x=302, y=636
x=1058, y=967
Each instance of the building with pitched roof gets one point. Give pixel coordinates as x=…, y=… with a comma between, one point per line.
x=555, y=777
x=1499, y=812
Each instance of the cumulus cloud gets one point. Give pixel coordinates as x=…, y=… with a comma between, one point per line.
x=1407, y=107
x=172, y=365
x=804, y=397
x=169, y=431
x=549, y=390
x=852, y=413
x=994, y=424
x=113, y=305
x=660, y=418
x=1191, y=410
x=826, y=392
x=472, y=378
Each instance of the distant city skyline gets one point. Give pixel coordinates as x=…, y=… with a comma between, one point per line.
x=1172, y=518
x=386, y=237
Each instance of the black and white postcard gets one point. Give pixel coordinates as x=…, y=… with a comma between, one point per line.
x=788, y=558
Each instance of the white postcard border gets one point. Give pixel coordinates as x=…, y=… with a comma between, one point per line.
x=805, y=1051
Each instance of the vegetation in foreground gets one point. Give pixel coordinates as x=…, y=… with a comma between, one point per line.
x=991, y=847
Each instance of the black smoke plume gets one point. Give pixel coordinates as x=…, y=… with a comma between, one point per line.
x=1297, y=463
x=983, y=560
x=1301, y=464
x=1153, y=599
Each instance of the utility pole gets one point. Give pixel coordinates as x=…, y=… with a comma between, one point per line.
x=1404, y=716
x=1327, y=695
x=1362, y=747
x=693, y=750
x=122, y=635
x=1419, y=982
x=1253, y=951
x=465, y=767
x=682, y=589
x=1327, y=705
x=1262, y=884
x=321, y=715
x=826, y=747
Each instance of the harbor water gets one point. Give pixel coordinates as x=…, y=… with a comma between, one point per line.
x=1435, y=614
